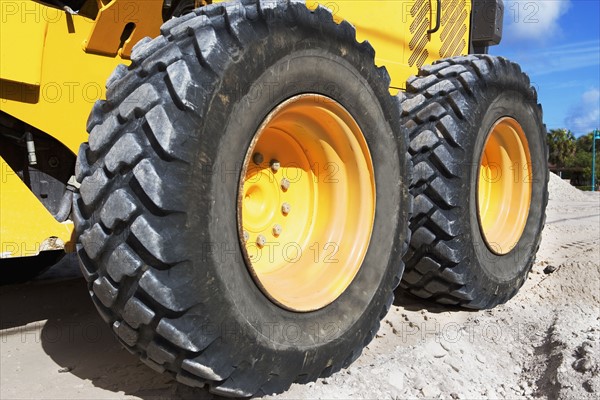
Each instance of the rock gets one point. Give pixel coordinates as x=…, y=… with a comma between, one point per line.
x=430, y=392
x=418, y=383
x=589, y=386
x=529, y=351
x=583, y=365
x=586, y=347
x=550, y=269
x=396, y=379
x=65, y=369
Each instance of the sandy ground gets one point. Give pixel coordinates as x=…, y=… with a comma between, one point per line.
x=545, y=343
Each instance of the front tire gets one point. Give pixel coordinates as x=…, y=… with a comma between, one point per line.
x=480, y=181
x=161, y=228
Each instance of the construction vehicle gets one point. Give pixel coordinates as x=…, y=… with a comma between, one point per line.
x=260, y=176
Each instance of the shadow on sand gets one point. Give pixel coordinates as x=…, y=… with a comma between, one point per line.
x=56, y=310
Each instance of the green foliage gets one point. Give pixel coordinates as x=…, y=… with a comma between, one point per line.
x=584, y=143
x=583, y=156
x=574, y=154
x=561, y=146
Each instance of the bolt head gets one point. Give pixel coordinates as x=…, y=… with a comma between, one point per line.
x=53, y=162
x=261, y=241
x=246, y=236
x=285, y=184
x=257, y=158
x=277, y=229
x=285, y=208
x=275, y=165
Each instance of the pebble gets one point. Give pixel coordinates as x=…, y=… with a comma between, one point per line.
x=418, y=383
x=529, y=351
x=517, y=370
x=430, y=392
x=589, y=386
x=550, y=269
x=65, y=369
x=583, y=365
x=586, y=346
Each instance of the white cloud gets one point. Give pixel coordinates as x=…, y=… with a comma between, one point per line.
x=534, y=19
x=567, y=57
x=585, y=116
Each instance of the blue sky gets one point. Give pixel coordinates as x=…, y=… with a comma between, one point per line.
x=557, y=42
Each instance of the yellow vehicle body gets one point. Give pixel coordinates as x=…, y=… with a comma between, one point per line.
x=53, y=66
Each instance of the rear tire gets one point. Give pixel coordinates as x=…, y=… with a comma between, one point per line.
x=156, y=212
x=451, y=109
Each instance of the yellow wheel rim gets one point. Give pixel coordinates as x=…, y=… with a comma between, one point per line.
x=504, y=186
x=306, y=202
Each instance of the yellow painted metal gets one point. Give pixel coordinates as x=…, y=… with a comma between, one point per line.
x=504, y=186
x=141, y=18
x=21, y=60
x=26, y=226
x=57, y=102
x=397, y=30
x=71, y=79
x=305, y=223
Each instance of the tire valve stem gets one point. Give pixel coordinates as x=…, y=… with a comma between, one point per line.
x=261, y=241
x=258, y=158
x=275, y=165
x=285, y=208
x=285, y=184
x=277, y=230
x=30, y=148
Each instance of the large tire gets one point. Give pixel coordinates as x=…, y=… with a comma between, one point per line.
x=450, y=110
x=156, y=213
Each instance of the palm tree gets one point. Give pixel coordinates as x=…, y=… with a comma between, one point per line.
x=561, y=146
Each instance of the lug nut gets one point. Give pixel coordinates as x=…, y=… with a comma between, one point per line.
x=285, y=184
x=275, y=165
x=261, y=241
x=285, y=208
x=246, y=236
x=258, y=158
x=277, y=230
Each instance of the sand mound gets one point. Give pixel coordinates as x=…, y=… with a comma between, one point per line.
x=563, y=191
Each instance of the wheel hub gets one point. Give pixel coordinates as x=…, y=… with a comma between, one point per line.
x=504, y=186
x=306, y=202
